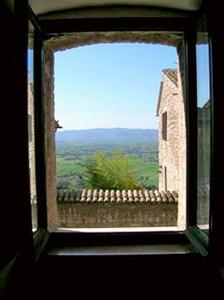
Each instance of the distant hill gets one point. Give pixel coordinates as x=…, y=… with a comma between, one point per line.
x=108, y=136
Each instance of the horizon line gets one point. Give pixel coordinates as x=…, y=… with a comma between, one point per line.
x=105, y=128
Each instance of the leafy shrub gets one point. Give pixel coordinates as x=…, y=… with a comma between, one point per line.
x=112, y=172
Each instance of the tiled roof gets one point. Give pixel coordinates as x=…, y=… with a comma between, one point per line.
x=118, y=196
x=172, y=75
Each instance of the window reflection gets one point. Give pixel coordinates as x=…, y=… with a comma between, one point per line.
x=30, y=91
x=204, y=131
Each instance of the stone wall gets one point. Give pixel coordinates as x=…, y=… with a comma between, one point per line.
x=73, y=40
x=168, y=149
x=172, y=151
x=105, y=215
x=49, y=126
x=116, y=208
x=182, y=150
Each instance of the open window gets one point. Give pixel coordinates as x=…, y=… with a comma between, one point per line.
x=177, y=149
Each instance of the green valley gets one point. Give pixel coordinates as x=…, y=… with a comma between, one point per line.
x=74, y=149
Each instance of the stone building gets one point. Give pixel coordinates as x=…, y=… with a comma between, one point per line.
x=172, y=139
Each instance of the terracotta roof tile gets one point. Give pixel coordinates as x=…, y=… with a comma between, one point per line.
x=118, y=196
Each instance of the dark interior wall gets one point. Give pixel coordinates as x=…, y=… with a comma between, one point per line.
x=15, y=228
x=130, y=277
x=216, y=203
x=15, y=185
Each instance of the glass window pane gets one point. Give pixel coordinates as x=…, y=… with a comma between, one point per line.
x=31, y=139
x=204, y=132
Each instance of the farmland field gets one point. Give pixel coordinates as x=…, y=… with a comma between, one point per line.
x=75, y=148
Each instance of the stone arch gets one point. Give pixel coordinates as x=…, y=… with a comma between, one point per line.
x=72, y=40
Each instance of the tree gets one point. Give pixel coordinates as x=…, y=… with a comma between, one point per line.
x=113, y=172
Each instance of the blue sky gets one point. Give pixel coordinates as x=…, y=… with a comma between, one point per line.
x=115, y=85
x=30, y=65
x=203, y=88
x=110, y=85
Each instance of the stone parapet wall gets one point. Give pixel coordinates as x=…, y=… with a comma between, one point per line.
x=104, y=215
x=83, y=209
